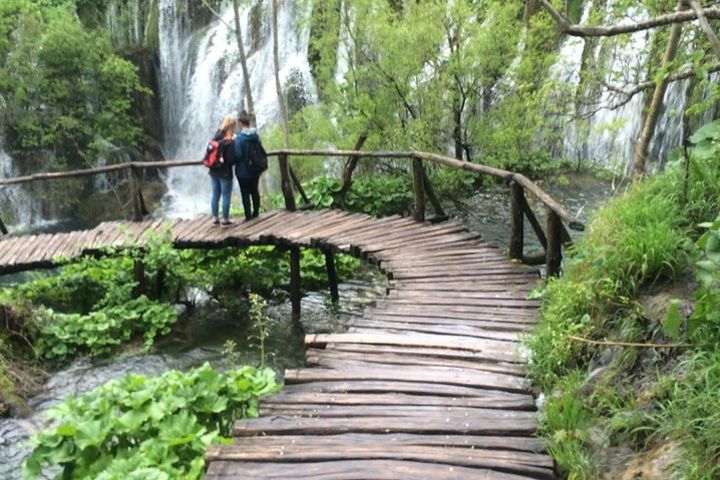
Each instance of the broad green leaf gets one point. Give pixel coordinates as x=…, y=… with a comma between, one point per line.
x=673, y=320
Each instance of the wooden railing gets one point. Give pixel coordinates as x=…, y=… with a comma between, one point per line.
x=553, y=237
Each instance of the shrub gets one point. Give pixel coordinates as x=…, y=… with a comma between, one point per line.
x=150, y=428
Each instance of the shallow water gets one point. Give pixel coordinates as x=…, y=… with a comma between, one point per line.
x=198, y=338
x=488, y=210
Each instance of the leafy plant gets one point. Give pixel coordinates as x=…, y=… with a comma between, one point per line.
x=707, y=296
x=150, y=428
x=66, y=334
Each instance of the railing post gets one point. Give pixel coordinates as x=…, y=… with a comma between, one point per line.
x=517, y=223
x=285, y=182
x=136, y=196
x=553, y=252
x=418, y=190
x=139, y=275
x=299, y=187
x=332, y=276
x=295, y=295
x=3, y=230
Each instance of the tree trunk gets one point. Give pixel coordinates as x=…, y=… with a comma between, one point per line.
x=276, y=65
x=349, y=169
x=643, y=143
x=243, y=62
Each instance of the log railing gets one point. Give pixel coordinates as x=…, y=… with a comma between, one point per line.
x=552, y=237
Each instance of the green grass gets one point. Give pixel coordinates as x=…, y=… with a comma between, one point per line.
x=643, y=239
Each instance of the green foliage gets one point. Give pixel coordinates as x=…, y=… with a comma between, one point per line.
x=688, y=414
x=65, y=91
x=62, y=335
x=635, y=239
x=376, y=195
x=566, y=421
x=646, y=237
x=141, y=427
x=707, y=296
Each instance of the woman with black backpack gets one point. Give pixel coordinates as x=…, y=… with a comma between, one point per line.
x=247, y=148
x=221, y=171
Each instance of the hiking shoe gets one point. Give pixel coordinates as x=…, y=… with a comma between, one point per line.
x=227, y=223
x=216, y=222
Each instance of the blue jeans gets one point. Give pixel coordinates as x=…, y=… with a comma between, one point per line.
x=220, y=186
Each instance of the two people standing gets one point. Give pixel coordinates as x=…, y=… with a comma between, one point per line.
x=233, y=151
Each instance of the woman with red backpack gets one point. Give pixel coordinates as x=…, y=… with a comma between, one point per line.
x=221, y=172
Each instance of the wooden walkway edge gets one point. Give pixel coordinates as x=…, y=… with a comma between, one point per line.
x=427, y=385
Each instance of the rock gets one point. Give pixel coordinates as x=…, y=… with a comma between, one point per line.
x=656, y=464
x=655, y=303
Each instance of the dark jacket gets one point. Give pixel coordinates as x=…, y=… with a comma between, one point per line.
x=242, y=140
x=226, y=151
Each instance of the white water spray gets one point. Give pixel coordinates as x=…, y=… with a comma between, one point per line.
x=201, y=82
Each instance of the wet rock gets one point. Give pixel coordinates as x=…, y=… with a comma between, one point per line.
x=656, y=464
x=655, y=303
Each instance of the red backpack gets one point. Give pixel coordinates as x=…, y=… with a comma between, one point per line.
x=211, y=154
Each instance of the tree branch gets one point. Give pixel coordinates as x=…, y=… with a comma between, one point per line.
x=705, y=25
x=607, y=31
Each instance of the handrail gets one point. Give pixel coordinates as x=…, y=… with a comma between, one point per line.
x=505, y=175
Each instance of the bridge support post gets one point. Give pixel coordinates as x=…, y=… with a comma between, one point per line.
x=418, y=190
x=138, y=203
x=3, y=230
x=139, y=275
x=295, y=295
x=553, y=252
x=517, y=223
x=285, y=182
x=332, y=276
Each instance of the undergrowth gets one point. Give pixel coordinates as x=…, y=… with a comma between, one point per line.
x=597, y=397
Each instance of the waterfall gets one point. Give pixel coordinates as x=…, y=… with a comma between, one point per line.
x=201, y=82
x=17, y=206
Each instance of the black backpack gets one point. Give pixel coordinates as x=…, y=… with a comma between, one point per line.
x=257, y=161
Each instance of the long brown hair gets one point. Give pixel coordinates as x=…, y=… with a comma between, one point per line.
x=228, y=126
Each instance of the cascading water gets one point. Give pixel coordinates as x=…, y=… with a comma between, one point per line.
x=16, y=204
x=600, y=134
x=201, y=82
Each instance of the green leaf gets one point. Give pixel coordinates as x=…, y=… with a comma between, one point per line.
x=673, y=320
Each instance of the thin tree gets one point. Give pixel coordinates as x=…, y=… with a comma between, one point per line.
x=676, y=19
x=241, y=49
x=643, y=143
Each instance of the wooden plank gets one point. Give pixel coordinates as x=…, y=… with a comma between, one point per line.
x=351, y=470
x=487, y=322
x=441, y=352
x=394, y=411
x=498, y=400
x=383, y=387
x=424, y=374
x=421, y=340
x=342, y=360
x=521, y=463
x=445, y=423
x=373, y=326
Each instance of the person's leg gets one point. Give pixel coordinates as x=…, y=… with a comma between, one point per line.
x=226, y=186
x=255, y=193
x=245, y=193
x=215, y=199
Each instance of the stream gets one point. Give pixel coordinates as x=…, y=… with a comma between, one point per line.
x=200, y=335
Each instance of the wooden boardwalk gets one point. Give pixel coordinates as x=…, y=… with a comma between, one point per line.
x=427, y=385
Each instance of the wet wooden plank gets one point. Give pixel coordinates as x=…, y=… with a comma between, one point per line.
x=501, y=350
x=484, y=399
x=351, y=470
x=447, y=423
x=424, y=374
x=520, y=463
